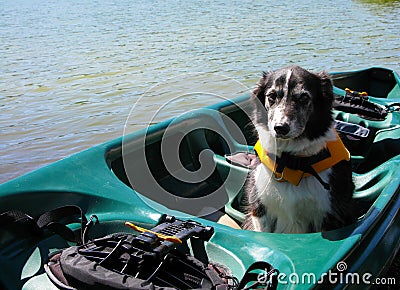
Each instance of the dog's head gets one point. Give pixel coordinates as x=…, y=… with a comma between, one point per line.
x=298, y=103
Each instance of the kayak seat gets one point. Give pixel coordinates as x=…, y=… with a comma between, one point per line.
x=180, y=163
x=385, y=145
x=142, y=169
x=378, y=82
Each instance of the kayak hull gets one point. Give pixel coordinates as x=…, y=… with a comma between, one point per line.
x=99, y=181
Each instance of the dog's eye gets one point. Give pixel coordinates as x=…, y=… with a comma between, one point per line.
x=303, y=98
x=272, y=95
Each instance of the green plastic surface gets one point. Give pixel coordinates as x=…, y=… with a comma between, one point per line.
x=96, y=181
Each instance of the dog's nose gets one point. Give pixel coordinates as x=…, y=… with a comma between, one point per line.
x=282, y=129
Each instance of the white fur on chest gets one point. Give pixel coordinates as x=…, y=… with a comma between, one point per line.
x=290, y=208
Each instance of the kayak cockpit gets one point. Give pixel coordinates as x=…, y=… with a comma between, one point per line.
x=377, y=82
x=146, y=172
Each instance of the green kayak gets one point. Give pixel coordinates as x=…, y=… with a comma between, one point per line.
x=130, y=179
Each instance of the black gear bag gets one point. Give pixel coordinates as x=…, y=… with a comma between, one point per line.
x=172, y=255
x=358, y=103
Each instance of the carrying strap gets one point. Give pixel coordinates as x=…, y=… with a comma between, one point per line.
x=242, y=159
x=394, y=107
x=353, y=131
x=22, y=225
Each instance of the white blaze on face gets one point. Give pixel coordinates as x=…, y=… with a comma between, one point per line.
x=286, y=87
x=278, y=113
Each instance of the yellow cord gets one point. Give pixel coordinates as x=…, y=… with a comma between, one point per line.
x=160, y=236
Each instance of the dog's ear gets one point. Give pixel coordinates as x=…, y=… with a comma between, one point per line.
x=326, y=86
x=259, y=91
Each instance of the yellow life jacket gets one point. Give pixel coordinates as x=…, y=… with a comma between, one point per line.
x=293, y=168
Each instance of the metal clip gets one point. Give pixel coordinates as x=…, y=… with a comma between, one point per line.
x=278, y=178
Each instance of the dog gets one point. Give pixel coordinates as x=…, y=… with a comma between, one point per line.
x=295, y=127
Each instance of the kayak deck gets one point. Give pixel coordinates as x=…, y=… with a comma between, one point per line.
x=99, y=181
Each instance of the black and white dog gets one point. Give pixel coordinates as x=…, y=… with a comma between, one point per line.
x=302, y=181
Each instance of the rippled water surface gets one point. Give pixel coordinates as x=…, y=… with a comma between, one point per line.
x=72, y=70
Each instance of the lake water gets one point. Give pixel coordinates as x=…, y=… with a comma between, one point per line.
x=72, y=70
